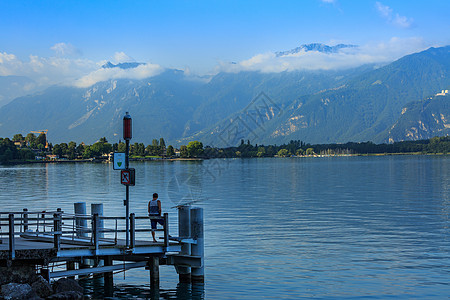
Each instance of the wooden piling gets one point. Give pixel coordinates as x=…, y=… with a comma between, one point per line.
x=70, y=266
x=154, y=271
x=108, y=277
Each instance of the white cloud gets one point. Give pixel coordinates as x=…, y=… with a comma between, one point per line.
x=382, y=52
x=46, y=71
x=140, y=72
x=63, y=49
x=121, y=57
x=388, y=14
x=384, y=10
x=329, y=1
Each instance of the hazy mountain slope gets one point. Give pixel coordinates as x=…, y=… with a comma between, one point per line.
x=159, y=106
x=357, y=108
x=422, y=120
x=15, y=86
x=228, y=93
x=367, y=105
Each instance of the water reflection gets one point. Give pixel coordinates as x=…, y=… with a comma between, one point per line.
x=95, y=288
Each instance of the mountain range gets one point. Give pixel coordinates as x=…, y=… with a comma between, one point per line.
x=386, y=103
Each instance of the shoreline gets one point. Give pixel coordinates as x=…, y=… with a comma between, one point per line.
x=201, y=159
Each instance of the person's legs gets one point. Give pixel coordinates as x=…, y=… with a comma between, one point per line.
x=153, y=223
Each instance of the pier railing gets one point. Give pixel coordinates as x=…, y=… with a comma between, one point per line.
x=62, y=228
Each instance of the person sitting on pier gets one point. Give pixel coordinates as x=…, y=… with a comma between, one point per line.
x=154, y=209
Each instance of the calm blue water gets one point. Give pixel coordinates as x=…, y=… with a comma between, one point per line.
x=348, y=227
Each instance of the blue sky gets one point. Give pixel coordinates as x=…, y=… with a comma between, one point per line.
x=69, y=40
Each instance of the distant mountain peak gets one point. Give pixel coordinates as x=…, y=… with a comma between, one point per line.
x=126, y=65
x=318, y=47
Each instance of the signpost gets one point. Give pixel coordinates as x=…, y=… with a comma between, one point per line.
x=127, y=178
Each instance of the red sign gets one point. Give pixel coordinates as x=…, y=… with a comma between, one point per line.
x=127, y=177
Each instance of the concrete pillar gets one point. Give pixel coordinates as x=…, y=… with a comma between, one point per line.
x=184, y=231
x=197, y=274
x=97, y=208
x=80, y=224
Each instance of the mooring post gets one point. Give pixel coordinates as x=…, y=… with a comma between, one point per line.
x=132, y=230
x=198, y=274
x=57, y=231
x=12, y=242
x=154, y=271
x=80, y=220
x=25, y=219
x=108, y=277
x=70, y=265
x=184, y=232
x=97, y=208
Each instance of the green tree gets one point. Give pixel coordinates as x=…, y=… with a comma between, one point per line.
x=283, y=153
x=18, y=138
x=80, y=149
x=88, y=153
x=310, y=151
x=195, y=149
x=8, y=150
x=31, y=140
x=184, y=151
x=162, y=143
x=122, y=147
x=71, y=150
x=57, y=150
x=41, y=139
x=170, y=151
x=261, y=152
x=300, y=152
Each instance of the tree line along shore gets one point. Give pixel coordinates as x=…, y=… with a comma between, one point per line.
x=32, y=149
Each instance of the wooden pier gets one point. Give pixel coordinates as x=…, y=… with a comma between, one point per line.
x=58, y=244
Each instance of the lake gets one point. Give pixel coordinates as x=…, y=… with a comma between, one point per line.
x=276, y=228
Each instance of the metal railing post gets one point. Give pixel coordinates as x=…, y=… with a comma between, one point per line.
x=25, y=219
x=132, y=230
x=12, y=242
x=95, y=230
x=43, y=220
x=166, y=230
x=57, y=231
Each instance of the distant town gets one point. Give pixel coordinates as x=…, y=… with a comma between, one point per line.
x=36, y=148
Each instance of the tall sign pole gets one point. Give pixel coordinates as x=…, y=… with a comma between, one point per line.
x=127, y=137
